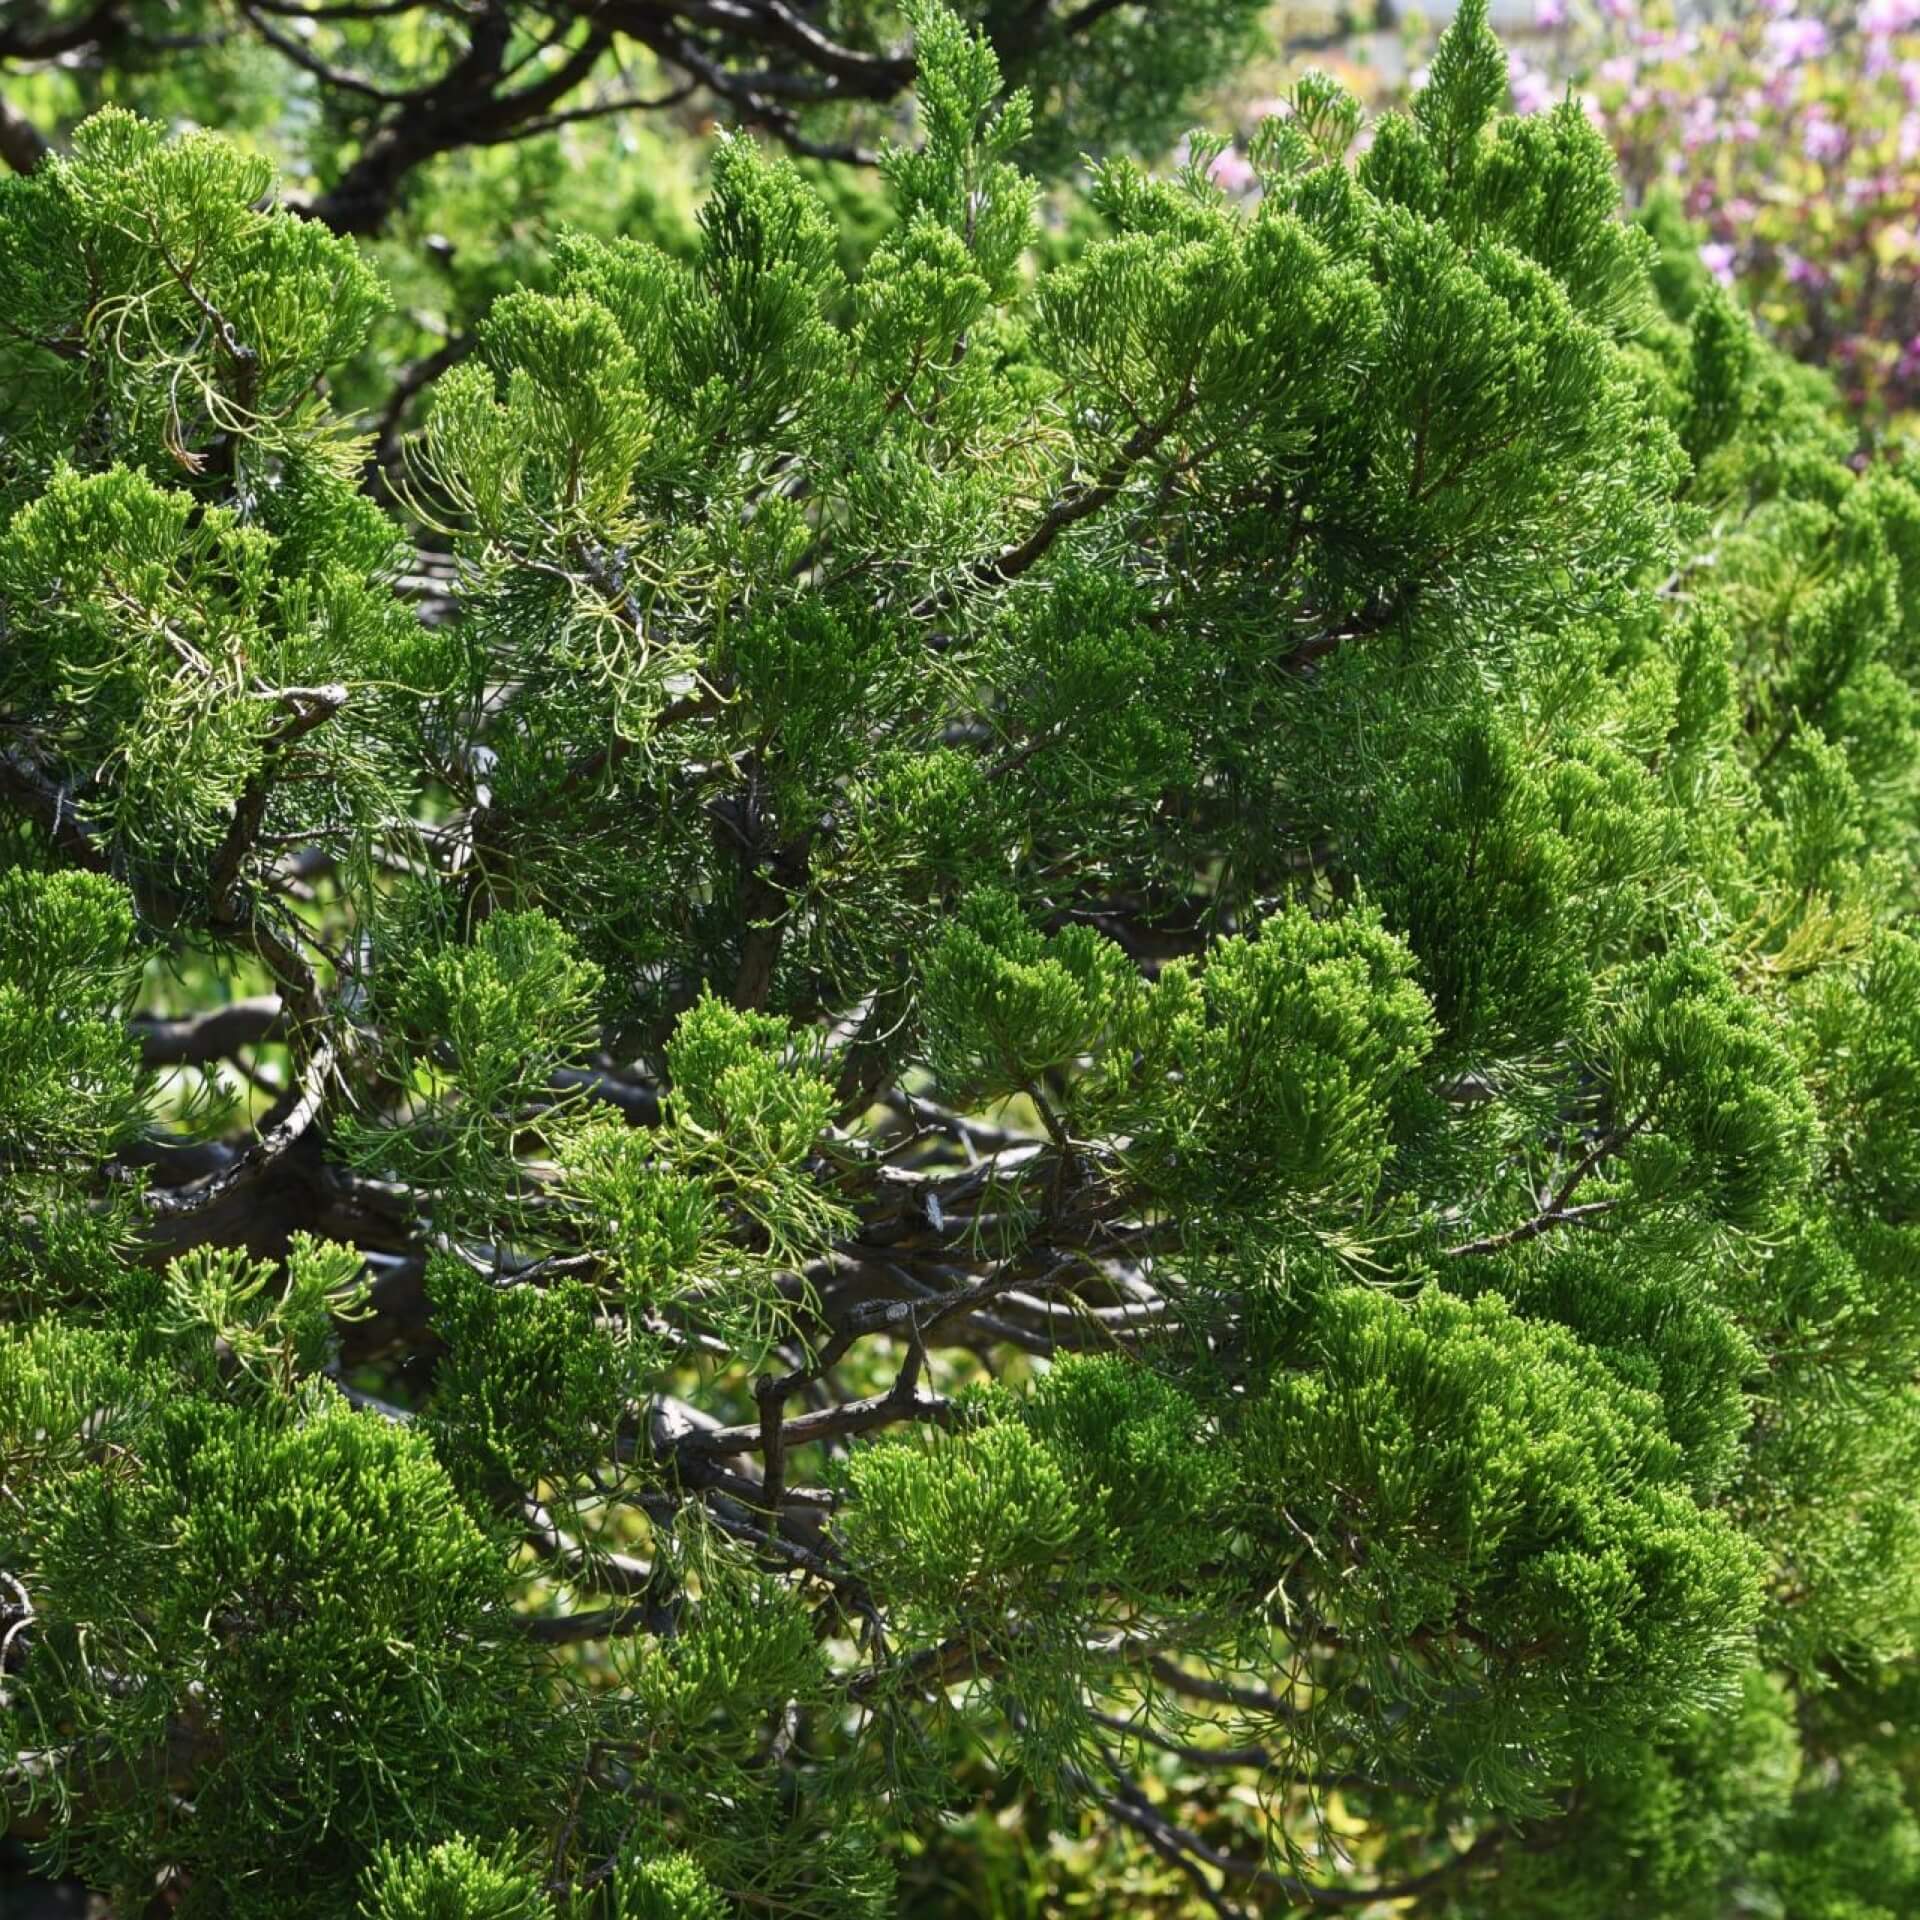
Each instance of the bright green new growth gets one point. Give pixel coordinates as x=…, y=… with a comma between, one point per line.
x=457, y=1880
x=1142, y=1022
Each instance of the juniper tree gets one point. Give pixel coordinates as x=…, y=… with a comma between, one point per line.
x=1146, y=1020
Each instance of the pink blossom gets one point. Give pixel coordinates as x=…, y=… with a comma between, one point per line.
x=1619, y=71
x=1532, y=90
x=1617, y=9
x=1717, y=257
x=1909, y=138
x=1548, y=14
x=1823, y=139
x=1746, y=129
x=1793, y=40
x=1702, y=125
x=1882, y=17
x=1802, y=272
x=1910, y=81
x=1231, y=171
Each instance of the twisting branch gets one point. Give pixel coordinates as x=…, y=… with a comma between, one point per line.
x=1220, y=1693
x=324, y=71
x=1558, y=1212
x=177, y=1203
x=236, y=915
x=218, y=1034
x=651, y=1615
x=23, y=39
x=1127, y=1804
x=308, y=707
x=1076, y=503
x=828, y=1423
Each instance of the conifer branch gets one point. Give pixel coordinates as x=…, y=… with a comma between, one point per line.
x=1131, y=1807
x=1558, y=1211
x=218, y=1034
x=308, y=708
x=839, y=1422
x=285, y=1133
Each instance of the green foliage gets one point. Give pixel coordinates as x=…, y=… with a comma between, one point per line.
x=530, y=1389
x=1284, y=1056
x=180, y=318
x=1145, y=1481
x=1005, y=1004
x=1465, y=86
x=478, y=1031
x=1721, y=1112
x=1671, y=1825
x=959, y=1524
x=454, y=1880
x=1524, y=1537
x=1111, y=1026
x=140, y=612
x=288, y=1573
x=746, y=1107
x=69, y=1073
x=457, y=1880
x=71, y=1089
x=214, y=1318
x=1659, y=1331
x=747, y=1646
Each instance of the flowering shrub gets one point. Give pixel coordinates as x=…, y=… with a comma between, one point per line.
x=1794, y=138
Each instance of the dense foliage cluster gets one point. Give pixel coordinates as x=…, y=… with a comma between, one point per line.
x=1137, y=1016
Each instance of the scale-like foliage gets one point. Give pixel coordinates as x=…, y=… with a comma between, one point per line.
x=1143, y=1005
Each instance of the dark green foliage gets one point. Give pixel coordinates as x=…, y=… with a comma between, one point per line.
x=280, y=1571
x=69, y=1078
x=1132, y=1020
